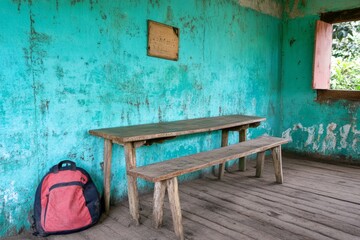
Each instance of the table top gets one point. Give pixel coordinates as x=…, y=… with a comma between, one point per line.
x=145, y=132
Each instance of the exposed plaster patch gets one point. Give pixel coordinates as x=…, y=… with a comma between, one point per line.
x=287, y=134
x=354, y=144
x=328, y=140
x=310, y=139
x=344, y=133
x=269, y=7
x=298, y=126
x=321, y=129
x=354, y=130
x=10, y=196
x=317, y=140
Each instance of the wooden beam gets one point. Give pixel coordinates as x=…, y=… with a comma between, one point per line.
x=324, y=95
x=341, y=16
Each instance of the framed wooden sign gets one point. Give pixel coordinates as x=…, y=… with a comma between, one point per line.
x=163, y=41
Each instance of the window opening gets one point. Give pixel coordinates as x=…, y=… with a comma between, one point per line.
x=337, y=56
x=345, y=59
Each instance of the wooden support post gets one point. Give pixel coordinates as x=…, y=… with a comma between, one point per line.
x=260, y=163
x=277, y=159
x=242, y=161
x=159, y=194
x=174, y=200
x=107, y=173
x=130, y=158
x=224, y=143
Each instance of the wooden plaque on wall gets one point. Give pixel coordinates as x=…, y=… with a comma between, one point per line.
x=163, y=41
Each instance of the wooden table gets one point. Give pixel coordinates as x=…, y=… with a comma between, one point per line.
x=135, y=136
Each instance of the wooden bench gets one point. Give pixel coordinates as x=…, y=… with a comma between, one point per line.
x=164, y=174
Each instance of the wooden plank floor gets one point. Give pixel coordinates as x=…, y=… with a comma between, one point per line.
x=317, y=201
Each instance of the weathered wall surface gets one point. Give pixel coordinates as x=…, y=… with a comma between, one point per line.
x=70, y=66
x=330, y=128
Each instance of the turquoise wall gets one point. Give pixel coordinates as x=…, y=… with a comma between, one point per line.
x=330, y=129
x=70, y=66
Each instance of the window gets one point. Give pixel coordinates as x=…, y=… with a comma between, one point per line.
x=323, y=54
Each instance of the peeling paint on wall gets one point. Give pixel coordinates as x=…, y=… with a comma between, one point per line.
x=10, y=196
x=335, y=140
x=344, y=133
x=270, y=7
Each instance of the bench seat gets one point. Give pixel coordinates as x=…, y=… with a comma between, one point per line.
x=172, y=168
x=165, y=173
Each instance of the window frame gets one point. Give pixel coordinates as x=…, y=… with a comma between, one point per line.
x=319, y=82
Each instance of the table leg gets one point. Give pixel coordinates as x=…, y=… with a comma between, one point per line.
x=107, y=173
x=224, y=143
x=130, y=158
x=242, y=161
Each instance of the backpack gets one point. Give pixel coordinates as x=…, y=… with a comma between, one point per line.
x=66, y=201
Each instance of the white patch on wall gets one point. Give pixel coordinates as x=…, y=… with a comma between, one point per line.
x=356, y=140
x=323, y=140
x=344, y=133
x=287, y=134
x=354, y=130
x=10, y=196
x=310, y=139
x=298, y=126
x=354, y=144
x=269, y=7
x=330, y=140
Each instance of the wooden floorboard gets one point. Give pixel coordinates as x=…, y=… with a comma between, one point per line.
x=316, y=201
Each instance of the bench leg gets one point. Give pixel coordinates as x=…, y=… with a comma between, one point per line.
x=260, y=164
x=242, y=161
x=174, y=200
x=107, y=173
x=159, y=194
x=224, y=143
x=133, y=195
x=276, y=155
